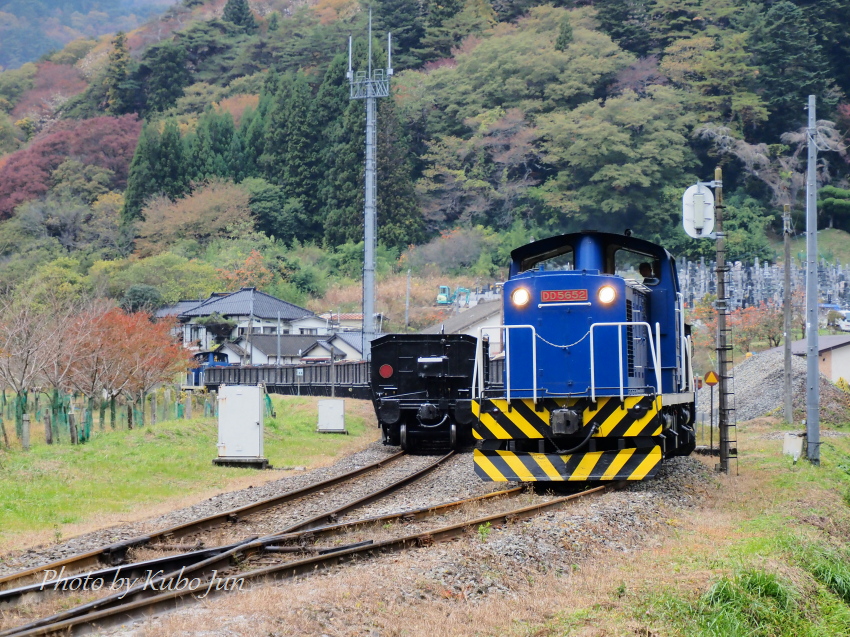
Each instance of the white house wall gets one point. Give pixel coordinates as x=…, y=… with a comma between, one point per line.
x=840, y=363
x=351, y=354
x=310, y=323
x=494, y=333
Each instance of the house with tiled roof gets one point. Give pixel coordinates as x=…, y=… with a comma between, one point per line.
x=296, y=349
x=228, y=316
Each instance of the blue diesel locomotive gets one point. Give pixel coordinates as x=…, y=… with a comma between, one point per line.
x=597, y=381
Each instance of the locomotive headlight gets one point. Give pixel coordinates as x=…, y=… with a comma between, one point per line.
x=520, y=297
x=607, y=294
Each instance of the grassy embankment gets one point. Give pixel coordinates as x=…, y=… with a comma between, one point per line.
x=833, y=245
x=57, y=491
x=768, y=554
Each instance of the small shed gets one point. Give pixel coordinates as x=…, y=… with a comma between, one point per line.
x=833, y=355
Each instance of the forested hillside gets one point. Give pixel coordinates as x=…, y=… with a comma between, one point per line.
x=216, y=145
x=31, y=28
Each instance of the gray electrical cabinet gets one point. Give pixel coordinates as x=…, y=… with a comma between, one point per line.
x=240, y=426
x=331, y=417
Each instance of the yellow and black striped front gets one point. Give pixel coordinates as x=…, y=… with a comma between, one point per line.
x=510, y=466
x=523, y=420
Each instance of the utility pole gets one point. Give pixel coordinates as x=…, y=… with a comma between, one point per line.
x=369, y=86
x=812, y=375
x=786, y=231
x=333, y=371
x=251, y=330
x=407, y=303
x=723, y=346
x=702, y=212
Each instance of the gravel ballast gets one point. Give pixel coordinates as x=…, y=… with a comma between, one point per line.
x=759, y=389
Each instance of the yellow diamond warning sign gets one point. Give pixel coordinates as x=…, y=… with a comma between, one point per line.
x=711, y=379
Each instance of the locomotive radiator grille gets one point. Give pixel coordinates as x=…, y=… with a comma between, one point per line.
x=509, y=466
x=495, y=421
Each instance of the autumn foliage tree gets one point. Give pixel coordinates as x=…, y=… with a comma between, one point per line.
x=107, y=142
x=253, y=272
x=142, y=354
x=207, y=213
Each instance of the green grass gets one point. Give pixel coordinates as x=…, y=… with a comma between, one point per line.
x=756, y=602
x=833, y=245
x=122, y=471
x=779, y=568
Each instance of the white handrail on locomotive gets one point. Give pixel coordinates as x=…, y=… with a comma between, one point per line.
x=478, y=378
x=656, y=356
x=680, y=310
x=479, y=360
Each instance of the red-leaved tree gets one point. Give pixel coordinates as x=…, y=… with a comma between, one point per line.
x=108, y=142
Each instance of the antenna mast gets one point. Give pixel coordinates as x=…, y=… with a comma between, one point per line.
x=369, y=86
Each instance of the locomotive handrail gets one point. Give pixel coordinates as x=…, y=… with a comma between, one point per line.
x=680, y=310
x=479, y=360
x=656, y=356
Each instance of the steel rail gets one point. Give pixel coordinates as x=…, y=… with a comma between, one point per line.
x=115, y=554
x=333, y=515
x=35, y=592
x=408, y=515
x=223, y=558
x=32, y=593
x=143, y=601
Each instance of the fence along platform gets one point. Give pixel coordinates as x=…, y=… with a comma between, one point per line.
x=347, y=379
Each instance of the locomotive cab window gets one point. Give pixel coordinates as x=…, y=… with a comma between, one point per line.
x=629, y=264
x=559, y=259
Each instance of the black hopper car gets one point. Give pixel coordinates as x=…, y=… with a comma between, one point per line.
x=421, y=389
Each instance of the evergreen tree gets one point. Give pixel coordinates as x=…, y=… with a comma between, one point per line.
x=235, y=158
x=252, y=131
x=239, y=13
x=164, y=74
x=565, y=36
x=267, y=204
x=791, y=65
x=171, y=169
x=141, y=181
x=210, y=147
x=274, y=21
x=291, y=156
x=627, y=22
x=403, y=18
x=400, y=221
x=158, y=167
x=332, y=102
x=441, y=10
x=344, y=198
x=442, y=36
x=120, y=88
x=343, y=161
x=830, y=25
x=274, y=142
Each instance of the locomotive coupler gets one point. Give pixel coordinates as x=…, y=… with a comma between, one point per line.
x=566, y=422
x=428, y=411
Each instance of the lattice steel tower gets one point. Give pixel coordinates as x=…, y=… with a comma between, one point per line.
x=370, y=85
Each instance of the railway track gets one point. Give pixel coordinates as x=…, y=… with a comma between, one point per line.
x=30, y=586
x=117, y=553
x=289, y=553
